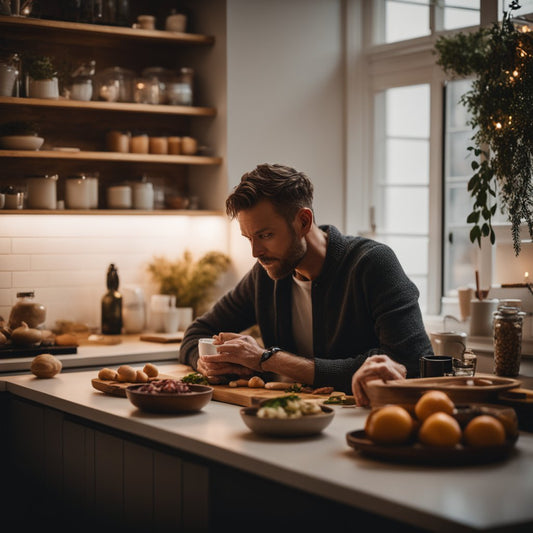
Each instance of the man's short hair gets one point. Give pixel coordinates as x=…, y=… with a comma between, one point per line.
x=287, y=189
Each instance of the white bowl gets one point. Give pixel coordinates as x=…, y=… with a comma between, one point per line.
x=287, y=427
x=21, y=142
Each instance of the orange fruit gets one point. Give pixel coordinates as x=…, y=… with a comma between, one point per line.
x=390, y=424
x=440, y=429
x=433, y=401
x=484, y=430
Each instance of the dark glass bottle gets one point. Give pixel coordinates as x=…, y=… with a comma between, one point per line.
x=112, y=304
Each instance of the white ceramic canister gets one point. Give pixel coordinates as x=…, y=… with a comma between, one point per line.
x=93, y=186
x=8, y=77
x=176, y=22
x=42, y=192
x=119, y=197
x=143, y=195
x=78, y=192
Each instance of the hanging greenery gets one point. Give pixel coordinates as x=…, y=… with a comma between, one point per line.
x=500, y=103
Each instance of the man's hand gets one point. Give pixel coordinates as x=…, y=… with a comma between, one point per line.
x=375, y=367
x=237, y=354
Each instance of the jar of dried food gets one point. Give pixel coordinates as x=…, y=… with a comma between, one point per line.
x=507, y=326
x=27, y=310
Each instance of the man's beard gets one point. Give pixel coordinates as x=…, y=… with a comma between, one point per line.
x=280, y=268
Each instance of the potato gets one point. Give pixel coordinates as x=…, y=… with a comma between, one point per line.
x=45, y=366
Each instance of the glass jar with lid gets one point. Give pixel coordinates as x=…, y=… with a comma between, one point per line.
x=180, y=90
x=27, y=310
x=507, y=326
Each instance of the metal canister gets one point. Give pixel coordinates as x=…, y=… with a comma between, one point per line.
x=507, y=326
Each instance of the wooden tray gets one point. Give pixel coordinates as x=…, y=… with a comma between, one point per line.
x=118, y=388
x=428, y=455
x=461, y=389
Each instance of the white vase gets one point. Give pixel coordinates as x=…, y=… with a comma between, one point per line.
x=185, y=317
x=48, y=89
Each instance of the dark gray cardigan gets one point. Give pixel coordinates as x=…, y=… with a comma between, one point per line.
x=363, y=304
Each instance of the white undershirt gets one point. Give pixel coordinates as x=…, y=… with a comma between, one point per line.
x=302, y=317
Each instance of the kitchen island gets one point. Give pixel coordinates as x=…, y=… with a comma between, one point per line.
x=104, y=461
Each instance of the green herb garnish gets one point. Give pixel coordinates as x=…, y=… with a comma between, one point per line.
x=195, y=377
x=280, y=401
x=295, y=387
x=340, y=399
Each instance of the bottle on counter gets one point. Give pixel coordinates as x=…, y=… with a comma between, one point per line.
x=112, y=304
x=27, y=310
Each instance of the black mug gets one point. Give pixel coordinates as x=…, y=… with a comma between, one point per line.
x=432, y=366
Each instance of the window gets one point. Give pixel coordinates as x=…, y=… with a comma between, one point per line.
x=402, y=177
x=459, y=253
x=400, y=20
x=415, y=173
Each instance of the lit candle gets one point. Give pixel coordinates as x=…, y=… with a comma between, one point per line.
x=526, y=277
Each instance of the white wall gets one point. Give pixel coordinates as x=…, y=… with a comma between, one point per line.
x=285, y=93
x=65, y=258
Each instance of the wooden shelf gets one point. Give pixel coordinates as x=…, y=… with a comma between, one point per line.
x=63, y=103
x=94, y=34
x=121, y=212
x=111, y=156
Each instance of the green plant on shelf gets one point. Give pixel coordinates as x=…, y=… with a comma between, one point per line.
x=189, y=280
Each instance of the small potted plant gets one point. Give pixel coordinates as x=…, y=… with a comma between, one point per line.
x=188, y=280
x=42, y=77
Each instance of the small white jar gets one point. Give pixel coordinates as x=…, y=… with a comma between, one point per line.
x=143, y=196
x=78, y=192
x=42, y=192
x=119, y=197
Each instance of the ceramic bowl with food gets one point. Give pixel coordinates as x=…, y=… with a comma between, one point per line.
x=293, y=422
x=21, y=142
x=169, y=396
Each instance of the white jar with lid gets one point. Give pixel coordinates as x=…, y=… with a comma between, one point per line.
x=78, y=192
x=119, y=197
x=143, y=195
x=42, y=192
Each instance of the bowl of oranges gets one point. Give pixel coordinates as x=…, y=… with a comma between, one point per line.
x=435, y=430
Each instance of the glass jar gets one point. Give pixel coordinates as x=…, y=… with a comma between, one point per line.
x=507, y=326
x=180, y=90
x=27, y=310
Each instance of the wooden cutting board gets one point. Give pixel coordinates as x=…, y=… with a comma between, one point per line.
x=248, y=397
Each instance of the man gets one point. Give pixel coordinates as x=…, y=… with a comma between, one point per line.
x=332, y=310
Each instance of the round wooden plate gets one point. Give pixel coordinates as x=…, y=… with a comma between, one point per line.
x=429, y=455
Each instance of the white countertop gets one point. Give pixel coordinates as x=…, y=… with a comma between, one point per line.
x=130, y=350
x=466, y=498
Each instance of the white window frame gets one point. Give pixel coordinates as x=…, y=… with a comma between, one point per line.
x=374, y=68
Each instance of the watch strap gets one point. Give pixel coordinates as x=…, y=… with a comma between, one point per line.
x=268, y=353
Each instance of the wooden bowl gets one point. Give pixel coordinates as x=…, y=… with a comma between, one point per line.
x=173, y=402
x=461, y=389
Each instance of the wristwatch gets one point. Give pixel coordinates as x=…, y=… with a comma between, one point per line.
x=267, y=354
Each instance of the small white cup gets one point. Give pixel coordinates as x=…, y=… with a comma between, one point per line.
x=206, y=346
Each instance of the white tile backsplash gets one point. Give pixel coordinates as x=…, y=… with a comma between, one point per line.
x=64, y=259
